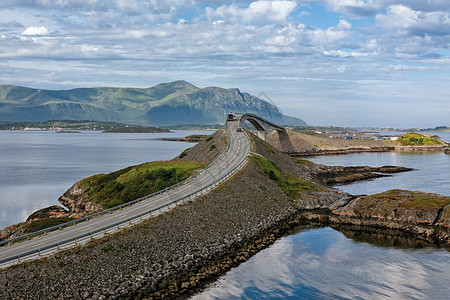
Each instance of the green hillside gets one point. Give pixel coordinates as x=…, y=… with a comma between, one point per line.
x=172, y=103
x=417, y=139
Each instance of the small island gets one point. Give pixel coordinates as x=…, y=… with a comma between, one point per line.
x=137, y=129
x=413, y=141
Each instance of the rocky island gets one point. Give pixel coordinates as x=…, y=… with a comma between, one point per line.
x=179, y=251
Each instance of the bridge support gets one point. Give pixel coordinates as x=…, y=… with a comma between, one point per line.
x=261, y=125
x=262, y=134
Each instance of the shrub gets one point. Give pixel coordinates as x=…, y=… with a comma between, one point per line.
x=37, y=225
x=291, y=185
x=212, y=147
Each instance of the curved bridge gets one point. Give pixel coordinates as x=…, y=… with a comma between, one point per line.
x=260, y=124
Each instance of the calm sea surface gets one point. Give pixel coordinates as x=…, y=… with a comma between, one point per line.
x=323, y=263
x=38, y=167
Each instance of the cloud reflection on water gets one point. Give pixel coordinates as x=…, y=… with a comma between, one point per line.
x=323, y=263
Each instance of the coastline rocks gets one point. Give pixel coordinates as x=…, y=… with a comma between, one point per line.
x=54, y=211
x=75, y=200
x=342, y=175
x=12, y=231
x=425, y=214
x=422, y=148
x=324, y=199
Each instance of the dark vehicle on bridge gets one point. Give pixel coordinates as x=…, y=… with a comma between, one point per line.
x=230, y=117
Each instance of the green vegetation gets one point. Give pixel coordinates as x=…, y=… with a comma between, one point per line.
x=209, y=138
x=44, y=223
x=291, y=185
x=183, y=154
x=137, y=129
x=406, y=200
x=197, y=136
x=212, y=147
x=134, y=182
x=417, y=139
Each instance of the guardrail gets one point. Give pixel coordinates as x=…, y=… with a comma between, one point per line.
x=103, y=231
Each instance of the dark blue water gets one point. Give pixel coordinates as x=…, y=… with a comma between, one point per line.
x=323, y=263
x=38, y=167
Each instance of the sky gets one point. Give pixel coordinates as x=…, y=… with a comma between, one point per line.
x=367, y=63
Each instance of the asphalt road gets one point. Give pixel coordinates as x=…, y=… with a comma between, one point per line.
x=237, y=152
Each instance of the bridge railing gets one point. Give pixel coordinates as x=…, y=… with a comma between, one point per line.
x=103, y=231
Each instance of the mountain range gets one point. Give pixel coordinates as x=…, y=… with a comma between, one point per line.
x=171, y=103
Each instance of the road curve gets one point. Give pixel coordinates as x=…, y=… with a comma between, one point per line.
x=233, y=158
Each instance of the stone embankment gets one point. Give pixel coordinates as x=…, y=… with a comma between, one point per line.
x=436, y=148
x=177, y=252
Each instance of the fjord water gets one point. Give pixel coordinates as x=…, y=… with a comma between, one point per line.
x=322, y=263
x=38, y=167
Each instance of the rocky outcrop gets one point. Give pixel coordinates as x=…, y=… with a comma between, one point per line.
x=424, y=214
x=54, y=211
x=11, y=232
x=76, y=200
x=435, y=148
x=343, y=175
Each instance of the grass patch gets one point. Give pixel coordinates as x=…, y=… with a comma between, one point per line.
x=134, y=182
x=407, y=200
x=197, y=136
x=417, y=139
x=291, y=184
x=183, y=154
x=37, y=225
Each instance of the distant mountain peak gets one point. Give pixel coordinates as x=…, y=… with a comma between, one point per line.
x=172, y=103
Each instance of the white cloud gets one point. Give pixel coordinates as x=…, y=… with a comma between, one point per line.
x=343, y=25
x=405, y=20
x=355, y=7
x=257, y=12
x=35, y=30
x=361, y=8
